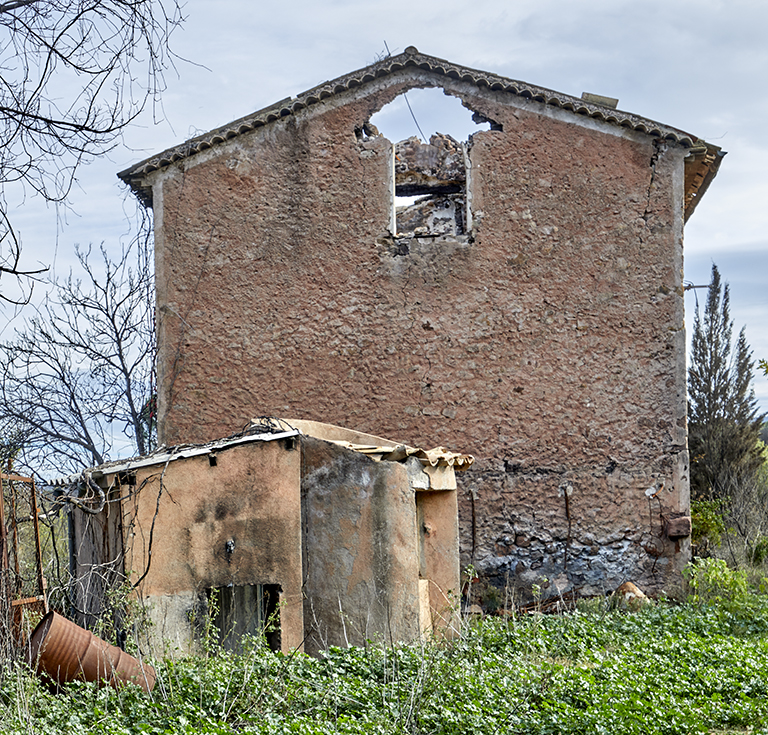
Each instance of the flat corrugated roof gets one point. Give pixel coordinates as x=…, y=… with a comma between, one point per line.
x=165, y=455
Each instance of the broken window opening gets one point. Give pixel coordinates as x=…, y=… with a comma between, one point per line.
x=434, y=109
x=429, y=178
x=240, y=610
x=430, y=181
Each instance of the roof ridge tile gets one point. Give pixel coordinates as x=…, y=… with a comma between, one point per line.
x=387, y=66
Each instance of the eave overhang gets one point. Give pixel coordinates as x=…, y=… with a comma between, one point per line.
x=701, y=167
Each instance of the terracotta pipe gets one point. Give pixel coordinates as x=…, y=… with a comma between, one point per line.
x=62, y=651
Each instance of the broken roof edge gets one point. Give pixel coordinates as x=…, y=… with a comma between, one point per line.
x=163, y=455
x=375, y=447
x=410, y=58
x=701, y=166
x=378, y=448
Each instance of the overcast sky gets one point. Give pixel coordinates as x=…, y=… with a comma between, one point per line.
x=701, y=66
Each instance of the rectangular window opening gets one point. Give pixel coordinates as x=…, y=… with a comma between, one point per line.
x=250, y=609
x=429, y=188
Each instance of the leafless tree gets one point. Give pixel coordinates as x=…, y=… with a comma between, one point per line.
x=73, y=74
x=78, y=379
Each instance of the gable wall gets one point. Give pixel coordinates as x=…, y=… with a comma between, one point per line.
x=551, y=345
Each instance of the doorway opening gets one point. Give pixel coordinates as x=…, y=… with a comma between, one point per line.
x=249, y=609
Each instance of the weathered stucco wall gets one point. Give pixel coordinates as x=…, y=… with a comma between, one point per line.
x=437, y=521
x=549, y=342
x=237, y=522
x=361, y=556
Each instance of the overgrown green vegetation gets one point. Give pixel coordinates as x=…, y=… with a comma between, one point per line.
x=693, y=668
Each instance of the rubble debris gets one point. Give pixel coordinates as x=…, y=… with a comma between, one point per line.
x=630, y=596
x=436, y=172
x=432, y=216
x=436, y=167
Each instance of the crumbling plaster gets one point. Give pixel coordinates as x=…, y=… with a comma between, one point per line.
x=361, y=548
x=549, y=341
x=192, y=525
x=342, y=545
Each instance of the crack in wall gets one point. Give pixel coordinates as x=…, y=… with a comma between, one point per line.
x=566, y=490
x=658, y=149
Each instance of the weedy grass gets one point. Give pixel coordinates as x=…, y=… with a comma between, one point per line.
x=701, y=667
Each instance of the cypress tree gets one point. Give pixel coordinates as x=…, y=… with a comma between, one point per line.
x=723, y=420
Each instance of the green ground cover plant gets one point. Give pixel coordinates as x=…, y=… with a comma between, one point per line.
x=701, y=667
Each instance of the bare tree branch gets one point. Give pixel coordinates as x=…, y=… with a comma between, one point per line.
x=7, y=7
x=73, y=74
x=83, y=364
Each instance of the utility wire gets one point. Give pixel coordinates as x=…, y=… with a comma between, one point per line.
x=410, y=109
x=423, y=137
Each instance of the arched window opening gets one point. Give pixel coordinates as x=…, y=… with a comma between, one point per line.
x=430, y=169
x=434, y=111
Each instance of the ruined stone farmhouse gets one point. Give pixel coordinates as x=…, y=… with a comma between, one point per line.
x=526, y=308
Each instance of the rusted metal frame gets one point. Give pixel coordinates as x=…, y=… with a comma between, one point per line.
x=38, y=549
x=3, y=532
x=15, y=534
x=15, y=478
x=27, y=600
x=42, y=597
x=5, y=591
